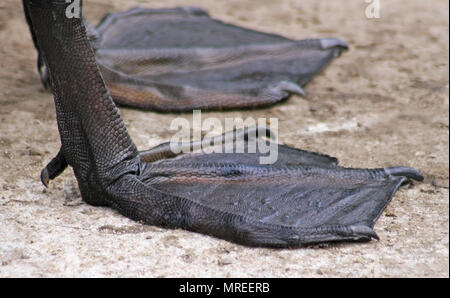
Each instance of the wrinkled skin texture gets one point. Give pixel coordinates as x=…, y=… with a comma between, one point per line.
x=303, y=198
x=181, y=59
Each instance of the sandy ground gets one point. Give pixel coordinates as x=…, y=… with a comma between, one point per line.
x=383, y=103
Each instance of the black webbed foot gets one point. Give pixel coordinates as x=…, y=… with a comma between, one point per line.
x=302, y=198
x=146, y=54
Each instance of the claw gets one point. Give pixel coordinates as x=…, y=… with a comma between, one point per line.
x=289, y=87
x=405, y=172
x=328, y=43
x=364, y=232
x=45, y=179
